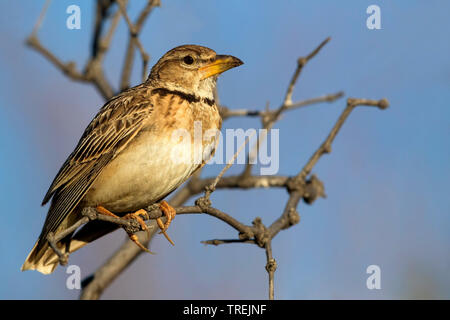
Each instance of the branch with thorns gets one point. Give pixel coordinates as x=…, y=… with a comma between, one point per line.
x=302, y=186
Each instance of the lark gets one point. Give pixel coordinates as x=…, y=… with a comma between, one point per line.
x=127, y=158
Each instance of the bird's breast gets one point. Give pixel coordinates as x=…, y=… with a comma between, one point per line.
x=160, y=158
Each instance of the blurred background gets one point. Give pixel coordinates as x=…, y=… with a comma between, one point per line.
x=386, y=179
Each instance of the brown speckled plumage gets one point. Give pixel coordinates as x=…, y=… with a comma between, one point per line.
x=121, y=161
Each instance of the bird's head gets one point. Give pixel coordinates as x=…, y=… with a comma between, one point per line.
x=191, y=69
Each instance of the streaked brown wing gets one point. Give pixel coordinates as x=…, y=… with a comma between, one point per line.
x=115, y=125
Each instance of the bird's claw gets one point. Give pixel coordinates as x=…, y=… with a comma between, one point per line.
x=170, y=213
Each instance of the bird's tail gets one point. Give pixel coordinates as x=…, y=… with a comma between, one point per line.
x=42, y=258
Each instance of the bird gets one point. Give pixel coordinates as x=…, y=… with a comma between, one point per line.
x=128, y=158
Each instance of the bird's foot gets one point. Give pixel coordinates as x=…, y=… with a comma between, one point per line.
x=170, y=213
x=134, y=215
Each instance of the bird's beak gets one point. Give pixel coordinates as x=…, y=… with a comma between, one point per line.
x=220, y=64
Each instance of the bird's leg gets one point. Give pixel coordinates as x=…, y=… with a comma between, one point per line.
x=134, y=215
x=106, y=212
x=170, y=213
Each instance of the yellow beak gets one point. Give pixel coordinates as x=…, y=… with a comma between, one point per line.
x=220, y=64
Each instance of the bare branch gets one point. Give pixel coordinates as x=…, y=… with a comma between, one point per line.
x=300, y=64
x=210, y=189
x=216, y=242
x=326, y=145
x=40, y=20
x=93, y=286
x=93, y=73
x=298, y=188
x=101, y=45
x=269, y=118
x=298, y=183
x=68, y=69
x=133, y=41
x=271, y=267
x=226, y=112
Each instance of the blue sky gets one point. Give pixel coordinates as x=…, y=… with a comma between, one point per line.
x=386, y=179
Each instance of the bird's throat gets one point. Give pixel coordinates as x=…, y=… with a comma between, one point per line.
x=186, y=96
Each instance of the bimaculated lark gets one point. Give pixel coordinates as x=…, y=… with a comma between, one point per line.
x=125, y=159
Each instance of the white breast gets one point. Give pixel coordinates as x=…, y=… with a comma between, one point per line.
x=144, y=173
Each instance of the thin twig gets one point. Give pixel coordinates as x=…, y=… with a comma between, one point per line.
x=326, y=145
x=269, y=118
x=134, y=38
x=297, y=183
x=133, y=41
x=40, y=20
x=216, y=242
x=271, y=267
x=210, y=189
x=104, y=43
x=92, y=74
x=230, y=113
x=300, y=64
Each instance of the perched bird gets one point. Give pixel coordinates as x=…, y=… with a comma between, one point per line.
x=127, y=157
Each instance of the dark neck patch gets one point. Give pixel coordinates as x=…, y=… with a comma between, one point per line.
x=186, y=96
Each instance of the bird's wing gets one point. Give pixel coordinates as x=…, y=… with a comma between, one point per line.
x=118, y=121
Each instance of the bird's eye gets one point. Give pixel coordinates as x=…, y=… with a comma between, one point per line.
x=188, y=60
